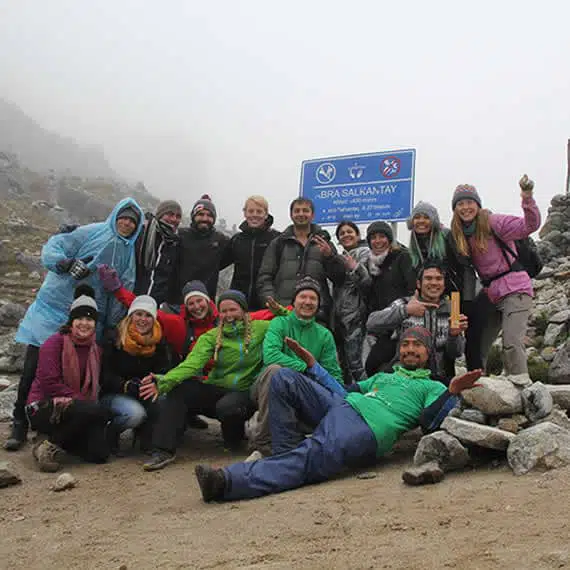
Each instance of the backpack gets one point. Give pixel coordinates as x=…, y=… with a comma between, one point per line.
x=526, y=257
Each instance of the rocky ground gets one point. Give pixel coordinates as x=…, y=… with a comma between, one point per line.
x=121, y=517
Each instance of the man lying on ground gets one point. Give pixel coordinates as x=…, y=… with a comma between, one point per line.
x=350, y=427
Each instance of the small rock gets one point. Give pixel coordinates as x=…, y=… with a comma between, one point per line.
x=443, y=448
x=521, y=419
x=560, y=394
x=426, y=473
x=508, y=424
x=4, y=383
x=473, y=415
x=560, y=317
x=8, y=475
x=537, y=401
x=367, y=475
x=64, y=481
x=11, y=314
x=543, y=446
x=494, y=396
x=476, y=434
x=520, y=379
x=557, y=417
x=548, y=353
x=554, y=333
x=35, y=275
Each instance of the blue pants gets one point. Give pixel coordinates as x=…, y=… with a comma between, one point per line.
x=128, y=413
x=341, y=437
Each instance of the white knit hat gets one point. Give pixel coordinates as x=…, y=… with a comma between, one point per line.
x=144, y=303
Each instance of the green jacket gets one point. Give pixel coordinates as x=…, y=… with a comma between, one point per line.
x=235, y=369
x=317, y=339
x=391, y=403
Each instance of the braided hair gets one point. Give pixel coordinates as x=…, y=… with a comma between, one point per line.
x=220, y=336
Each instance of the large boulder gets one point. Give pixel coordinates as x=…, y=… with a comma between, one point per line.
x=543, y=446
x=443, y=448
x=8, y=475
x=494, y=396
x=476, y=434
x=11, y=354
x=537, y=401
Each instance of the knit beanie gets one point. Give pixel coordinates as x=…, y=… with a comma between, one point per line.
x=307, y=283
x=426, y=209
x=418, y=333
x=233, y=295
x=129, y=212
x=143, y=303
x=465, y=192
x=168, y=206
x=84, y=304
x=195, y=289
x=204, y=203
x=379, y=228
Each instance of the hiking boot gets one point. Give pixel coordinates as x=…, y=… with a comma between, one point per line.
x=159, y=459
x=212, y=482
x=196, y=422
x=18, y=436
x=254, y=456
x=46, y=455
x=429, y=472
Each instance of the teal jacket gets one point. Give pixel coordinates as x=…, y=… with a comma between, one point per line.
x=317, y=339
x=236, y=367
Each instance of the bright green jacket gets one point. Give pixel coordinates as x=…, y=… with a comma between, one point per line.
x=391, y=403
x=235, y=369
x=317, y=339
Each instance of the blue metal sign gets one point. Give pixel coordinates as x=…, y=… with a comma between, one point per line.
x=360, y=187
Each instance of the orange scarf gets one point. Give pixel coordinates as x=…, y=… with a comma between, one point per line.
x=137, y=344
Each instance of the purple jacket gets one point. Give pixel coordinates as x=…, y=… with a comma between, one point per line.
x=492, y=262
x=48, y=382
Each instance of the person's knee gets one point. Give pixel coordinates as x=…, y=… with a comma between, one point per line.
x=233, y=408
x=128, y=413
x=282, y=381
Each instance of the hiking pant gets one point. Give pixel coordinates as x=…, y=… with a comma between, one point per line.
x=28, y=375
x=510, y=314
x=261, y=439
x=80, y=431
x=478, y=312
x=341, y=437
x=128, y=412
x=349, y=343
x=231, y=407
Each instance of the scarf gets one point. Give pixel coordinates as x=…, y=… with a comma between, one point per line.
x=137, y=344
x=469, y=229
x=89, y=388
x=154, y=230
x=375, y=262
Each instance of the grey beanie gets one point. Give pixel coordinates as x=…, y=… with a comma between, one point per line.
x=426, y=209
x=168, y=206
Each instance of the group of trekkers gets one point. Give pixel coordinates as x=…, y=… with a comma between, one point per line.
x=337, y=352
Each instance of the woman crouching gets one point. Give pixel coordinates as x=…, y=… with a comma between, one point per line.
x=134, y=350
x=62, y=402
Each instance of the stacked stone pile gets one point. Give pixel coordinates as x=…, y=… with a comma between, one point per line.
x=511, y=414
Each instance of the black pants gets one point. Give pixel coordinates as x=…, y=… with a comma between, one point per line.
x=231, y=408
x=81, y=430
x=28, y=375
x=477, y=312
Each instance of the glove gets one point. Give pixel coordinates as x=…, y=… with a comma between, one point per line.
x=79, y=269
x=109, y=278
x=64, y=265
x=131, y=388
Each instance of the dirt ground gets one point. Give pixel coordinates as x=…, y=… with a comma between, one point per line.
x=120, y=517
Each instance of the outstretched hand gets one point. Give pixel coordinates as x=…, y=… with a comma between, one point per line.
x=109, y=278
x=526, y=185
x=465, y=381
x=301, y=352
x=274, y=306
x=417, y=308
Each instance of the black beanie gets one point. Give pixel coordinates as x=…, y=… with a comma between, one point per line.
x=379, y=228
x=84, y=304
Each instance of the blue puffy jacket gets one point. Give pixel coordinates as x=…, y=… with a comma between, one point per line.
x=101, y=240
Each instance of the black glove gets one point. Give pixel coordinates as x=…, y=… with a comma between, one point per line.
x=79, y=269
x=132, y=388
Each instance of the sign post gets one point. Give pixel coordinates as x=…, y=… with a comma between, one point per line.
x=362, y=188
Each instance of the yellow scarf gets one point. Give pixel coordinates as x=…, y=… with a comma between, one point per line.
x=137, y=344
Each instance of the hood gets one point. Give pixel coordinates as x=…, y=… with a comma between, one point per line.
x=247, y=230
x=111, y=220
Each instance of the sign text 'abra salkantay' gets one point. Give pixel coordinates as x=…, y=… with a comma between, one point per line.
x=360, y=187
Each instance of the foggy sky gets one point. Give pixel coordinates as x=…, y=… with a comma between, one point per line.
x=228, y=97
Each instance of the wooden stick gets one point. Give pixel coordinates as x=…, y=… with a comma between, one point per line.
x=455, y=309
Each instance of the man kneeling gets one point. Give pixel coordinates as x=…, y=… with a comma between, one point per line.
x=351, y=427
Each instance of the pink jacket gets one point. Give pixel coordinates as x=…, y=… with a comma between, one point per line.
x=492, y=262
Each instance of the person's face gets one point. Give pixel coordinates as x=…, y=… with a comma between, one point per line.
x=83, y=328
x=126, y=227
x=302, y=215
x=197, y=306
x=379, y=243
x=204, y=220
x=142, y=321
x=230, y=311
x=432, y=284
x=306, y=304
x=421, y=224
x=467, y=210
x=254, y=215
x=172, y=219
x=413, y=354
x=347, y=237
